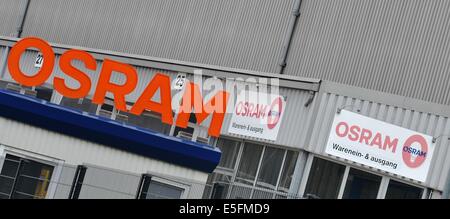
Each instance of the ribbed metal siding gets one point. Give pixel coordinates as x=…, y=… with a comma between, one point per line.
x=100, y=183
x=2, y=55
x=65, y=182
x=394, y=46
x=246, y=34
x=418, y=121
x=295, y=123
x=10, y=12
x=76, y=151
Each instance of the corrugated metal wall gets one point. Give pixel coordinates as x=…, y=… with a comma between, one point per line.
x=65, y=181
x=395, y=46
x=244, y=34
x=100, y=183
x=3, y=57
x=423, y=122
x=10, y=12
x=76, y=151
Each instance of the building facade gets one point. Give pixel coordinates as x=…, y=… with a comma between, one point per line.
x=381, y=60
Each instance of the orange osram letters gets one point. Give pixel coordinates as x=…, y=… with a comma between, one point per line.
x=192, y=97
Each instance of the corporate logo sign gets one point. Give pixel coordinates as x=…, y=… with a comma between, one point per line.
x=380, y=145
x=188, y=97
x=258, y=115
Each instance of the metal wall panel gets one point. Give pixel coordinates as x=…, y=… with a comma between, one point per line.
x=427, y=123
x=76, y=151
x=2, y=54
x=10, y=12
x=3, y=58
x=245, y=34
x=65, y=182
x=100, y=183
x=394, y=46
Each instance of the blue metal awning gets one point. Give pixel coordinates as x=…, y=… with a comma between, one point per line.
x=108, y=132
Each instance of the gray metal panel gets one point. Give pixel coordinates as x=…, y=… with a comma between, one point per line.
x=398, y=47
x=100, y=183
x=394, y=46
x=423, y=122
x=3, y=57
x=10, y=12
x=65, y=182
x=243, y=34
x=2, y=53
x=173, y=66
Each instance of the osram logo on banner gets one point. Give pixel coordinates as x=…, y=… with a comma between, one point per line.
x=191, y=101
x=258, y=115
x=380, y=145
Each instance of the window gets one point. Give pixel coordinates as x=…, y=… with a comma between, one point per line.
x=3, y=84
x=24, y=179
x=398, y=190
x=107, y=107
x=324, y=179
x=84, y=104
x=249, y=170
x=189, y=129
x=44, y=93
x=106, y=110
x=157, y=190
x=148, y=120
x=361, y=185
x=332, y=180
x=270, y=168
x=218, y=186
x=230, y=150
x=152, y=189
x=288, y=171
x=249, y=163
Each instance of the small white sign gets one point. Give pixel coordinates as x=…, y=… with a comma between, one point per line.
x=39, y=60
x=380, y=145
x=257, y=115
x=179, y=82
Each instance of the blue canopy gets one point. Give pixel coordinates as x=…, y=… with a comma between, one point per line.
x=108, y=132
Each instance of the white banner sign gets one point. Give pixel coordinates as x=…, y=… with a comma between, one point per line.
x=380, y=145
x=257, y=115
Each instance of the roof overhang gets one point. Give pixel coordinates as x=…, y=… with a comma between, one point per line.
x=108, y=132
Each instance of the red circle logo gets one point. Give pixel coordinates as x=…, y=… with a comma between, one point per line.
x=412, y=156
x=274, y=115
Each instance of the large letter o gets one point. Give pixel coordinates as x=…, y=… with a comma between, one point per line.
x=338, y=129
x=14, y=61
